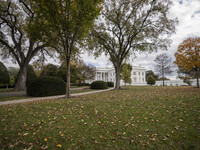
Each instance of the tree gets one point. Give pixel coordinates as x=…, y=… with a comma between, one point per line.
x=29, y=75
x=79, y=72
x=126, y=73
x=49, y=70
x=86, y=72
x=13, y=72
x=151, y=80
x=127, y=26
x=69, y=22
x=151, y=73
x=188, y=56
x=163, y=65
x=161, y=78
x=62, y=71
x=4, y=76
x=38, y=66
x=16, y=17
x=187, y=80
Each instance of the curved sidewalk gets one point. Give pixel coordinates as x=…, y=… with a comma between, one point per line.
x=50, y=97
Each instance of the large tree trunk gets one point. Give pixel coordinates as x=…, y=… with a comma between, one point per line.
x=197, y=74
x=68, y=78
x=21, y=80
x=117, y=77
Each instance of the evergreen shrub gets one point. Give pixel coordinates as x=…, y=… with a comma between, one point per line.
x=46, y=86
x=110, y=84
x=99, y=85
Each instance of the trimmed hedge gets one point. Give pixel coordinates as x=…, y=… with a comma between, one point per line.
x=99, y=85
x=110, y=84
x=46, y=86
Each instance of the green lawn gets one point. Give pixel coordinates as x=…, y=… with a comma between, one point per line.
x=79, y=86
x=82, y=91
x=9, y=98
x=4, y=90
x=133, y=118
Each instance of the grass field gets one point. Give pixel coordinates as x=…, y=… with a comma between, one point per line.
x=4, y=90
x=133, y=118
x=10, y=98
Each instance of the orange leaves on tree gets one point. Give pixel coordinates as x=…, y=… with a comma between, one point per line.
x=188, y=54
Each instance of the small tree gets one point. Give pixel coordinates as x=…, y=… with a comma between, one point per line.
x=4, y=76
x=188, y=56
x=86, y=72
x=151, y=80
x=79, y=72
x=38, y=66
x=126, y=73
x=62, y=71
x=163, y=65
x=151, y=73
x=13, y=72
x=186, y=79
x=49, y=70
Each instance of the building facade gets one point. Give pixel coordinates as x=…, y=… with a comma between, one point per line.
x=138, y=76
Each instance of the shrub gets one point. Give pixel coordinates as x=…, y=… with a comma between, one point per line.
x=110, y=84
x=46, y=86
x=99, y=85
x=30, y=74
x=4, y=75
x=151, y=80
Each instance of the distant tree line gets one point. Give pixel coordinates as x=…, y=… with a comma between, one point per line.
x=80, y=72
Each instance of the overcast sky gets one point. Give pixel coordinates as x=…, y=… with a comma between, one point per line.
x=188, y=14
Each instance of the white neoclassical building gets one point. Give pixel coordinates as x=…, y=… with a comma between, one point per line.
x=138, y=76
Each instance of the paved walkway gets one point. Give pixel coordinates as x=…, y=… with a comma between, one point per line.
x=50, y=97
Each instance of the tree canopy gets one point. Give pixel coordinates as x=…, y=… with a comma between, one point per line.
x=80, y=72
x=127, y=26
x=49, y=70
x=68, y=23
x=151, y=73
x=16, y=42
x=188, y=56
x=151, y=80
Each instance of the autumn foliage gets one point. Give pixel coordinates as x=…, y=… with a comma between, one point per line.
x=188, y=55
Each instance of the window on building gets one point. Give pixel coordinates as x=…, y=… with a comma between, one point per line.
x=139, y=73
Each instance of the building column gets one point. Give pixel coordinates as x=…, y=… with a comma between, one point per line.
x=95, y=76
